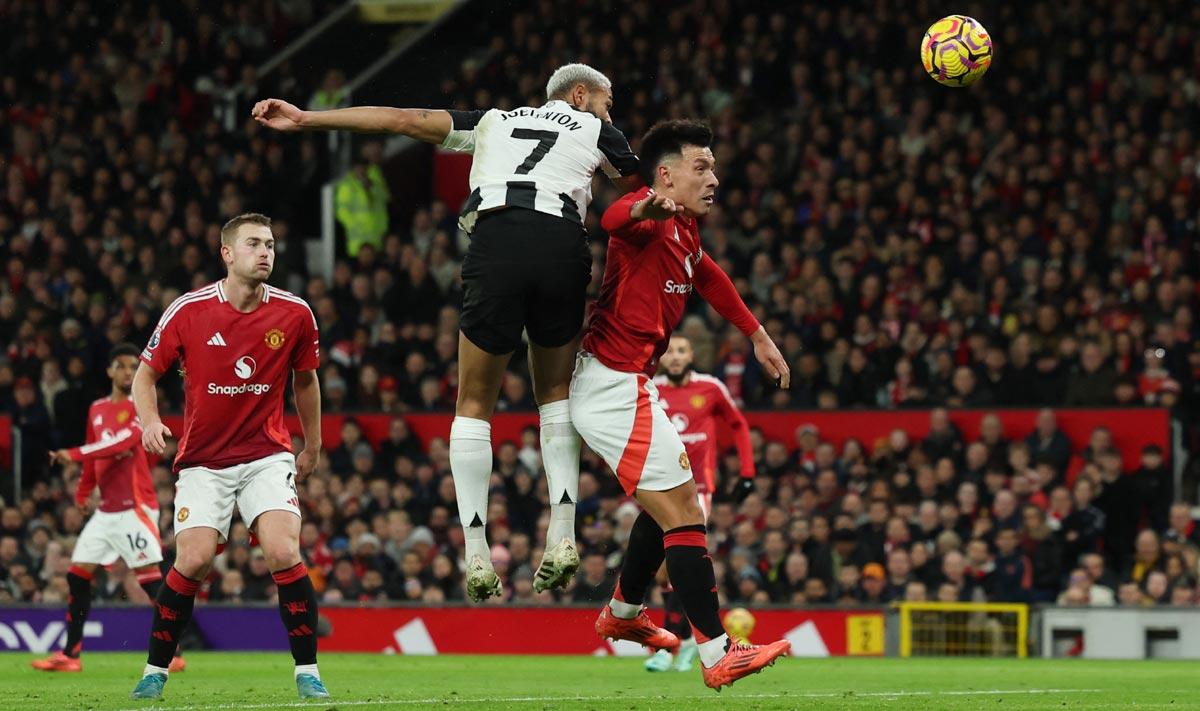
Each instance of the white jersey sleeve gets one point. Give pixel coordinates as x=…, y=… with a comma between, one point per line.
x=461, y=138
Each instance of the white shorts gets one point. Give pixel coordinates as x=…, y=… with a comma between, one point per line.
x=131, y=535
x=621, y=419
x=205, y=497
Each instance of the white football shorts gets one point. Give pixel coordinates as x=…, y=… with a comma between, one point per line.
x=131, y=535
x=621, y=419
x=206, y=497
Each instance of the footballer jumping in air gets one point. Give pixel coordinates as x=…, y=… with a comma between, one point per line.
x=654, y=262
x=237, y=341
x=126, y=524
x=527, y=269
x=695, y=402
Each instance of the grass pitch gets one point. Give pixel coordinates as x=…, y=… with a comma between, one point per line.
x=264, y=681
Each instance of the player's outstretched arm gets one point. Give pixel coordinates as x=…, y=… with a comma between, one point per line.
x=428, y=125
x=716, y=288
x=307, y=390
x=145, y=399
x=632, y=220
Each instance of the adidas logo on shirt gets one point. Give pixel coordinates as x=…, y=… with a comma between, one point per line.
x=217, y=340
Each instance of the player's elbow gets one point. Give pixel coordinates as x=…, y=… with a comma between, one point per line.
x=399, y=121
x=304, y=380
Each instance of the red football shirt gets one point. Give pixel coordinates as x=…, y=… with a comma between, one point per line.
x=694, y=408
x=651, y=270
x=235, y=367
x=113, y=459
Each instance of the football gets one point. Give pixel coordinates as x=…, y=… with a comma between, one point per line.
x=739, y=623
x=956, y=51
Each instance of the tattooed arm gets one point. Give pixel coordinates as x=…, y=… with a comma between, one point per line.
x=428, y=125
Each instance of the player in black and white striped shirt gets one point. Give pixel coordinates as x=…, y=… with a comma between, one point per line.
x=527, y=268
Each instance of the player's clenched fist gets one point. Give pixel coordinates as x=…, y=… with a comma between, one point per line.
x=154, y=438
x=655, y=207
x=277, y=114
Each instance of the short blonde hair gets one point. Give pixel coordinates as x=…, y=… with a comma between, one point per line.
x=230, y=230
x=568, y=76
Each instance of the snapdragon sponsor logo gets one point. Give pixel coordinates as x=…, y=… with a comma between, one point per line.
x=244, y=388
x=244, y=368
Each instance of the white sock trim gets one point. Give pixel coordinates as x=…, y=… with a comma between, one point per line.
x=470, y=428
x=151, y=669
x=712, y=650
x=553, y=413
x=307, y=669
x=624, y=610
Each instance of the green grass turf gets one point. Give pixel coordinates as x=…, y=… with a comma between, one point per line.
x=264, y=681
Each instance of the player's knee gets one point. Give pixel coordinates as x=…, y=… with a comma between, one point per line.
x=281, y=555
x=192, y=563
x=687, y=505
x=547, y=393
x=475, y=405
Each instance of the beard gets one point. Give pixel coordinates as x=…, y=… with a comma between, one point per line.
x=677, y=379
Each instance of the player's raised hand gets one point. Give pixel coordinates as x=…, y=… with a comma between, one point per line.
x=154, y=438
x=277, y=114
x=771, y=359
x=60, y=457
x=743, y=489
x=306, y=463
x=655, y=207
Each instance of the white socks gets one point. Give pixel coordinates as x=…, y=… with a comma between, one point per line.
x=624, y=610
x=151, y=669
x=307, y=669
x=560, y=457
x=471, y=465
x=712, y=650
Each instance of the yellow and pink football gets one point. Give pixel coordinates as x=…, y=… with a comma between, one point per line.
x=956, y=51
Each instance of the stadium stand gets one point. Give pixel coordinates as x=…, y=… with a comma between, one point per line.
x=1033, y=246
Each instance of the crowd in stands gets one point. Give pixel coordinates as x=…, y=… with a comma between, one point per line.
x=1027, y=242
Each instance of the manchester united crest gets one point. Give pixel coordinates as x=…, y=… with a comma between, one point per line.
x=183, y=514
x=698, y=401
x=684, y=462
x=274, y=339
x=122, y=417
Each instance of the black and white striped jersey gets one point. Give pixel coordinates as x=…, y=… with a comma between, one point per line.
x=537, y=158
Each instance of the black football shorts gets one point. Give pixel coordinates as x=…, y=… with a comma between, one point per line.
x=524, y=270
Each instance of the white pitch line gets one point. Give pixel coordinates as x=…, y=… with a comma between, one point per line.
x=454, y=700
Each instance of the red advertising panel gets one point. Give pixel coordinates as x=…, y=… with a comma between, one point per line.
x=543, y=630
x=1131, y=429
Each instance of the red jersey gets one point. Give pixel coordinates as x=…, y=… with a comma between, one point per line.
x=235, y=367
x=694, y=409
x=114, y=460
x=651, y=270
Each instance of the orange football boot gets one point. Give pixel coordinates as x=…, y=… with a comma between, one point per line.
x=639, y=629
x=743, y=660
x=58, y=662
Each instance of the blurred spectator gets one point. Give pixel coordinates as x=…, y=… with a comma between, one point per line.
x=1082, y=590
x=1047, y=443
x=361, y=202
